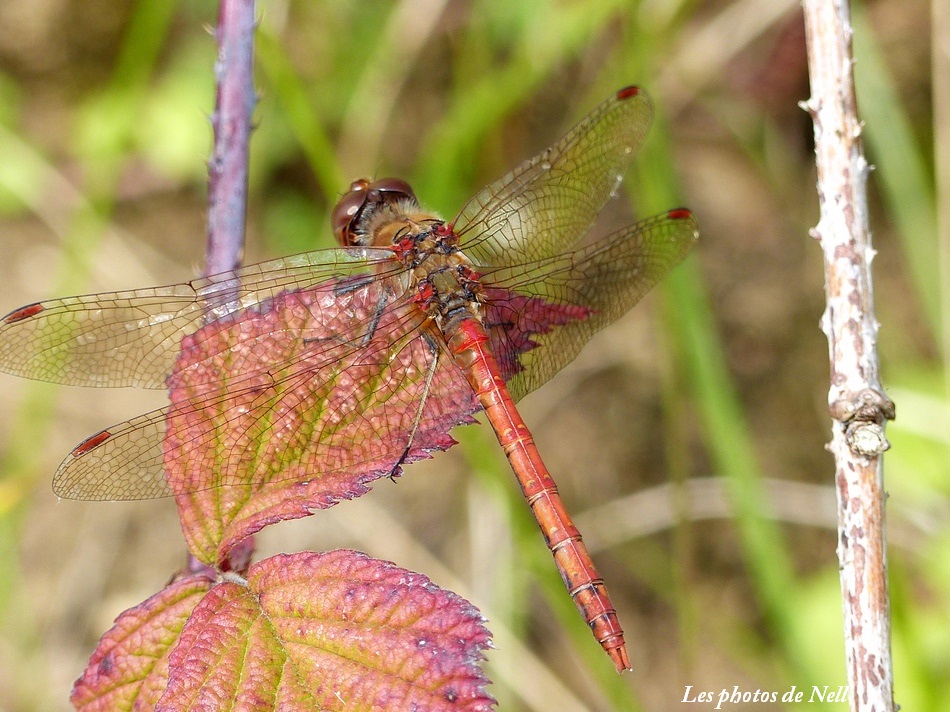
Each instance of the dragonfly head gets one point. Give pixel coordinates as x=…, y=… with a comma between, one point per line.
x=368, y=203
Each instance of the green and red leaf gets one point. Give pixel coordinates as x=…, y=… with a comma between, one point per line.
x=308, y=631
x=293, y=406
x=129, y=669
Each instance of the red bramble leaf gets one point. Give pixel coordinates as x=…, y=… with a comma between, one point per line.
x=308, y=631
x=296, y=405
x=129, y=669
x=331, y=631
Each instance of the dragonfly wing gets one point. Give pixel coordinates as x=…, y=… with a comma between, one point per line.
x=121, y=462
x=540, y=315
x=548, y=203
x=322, y=385
x=131, y=338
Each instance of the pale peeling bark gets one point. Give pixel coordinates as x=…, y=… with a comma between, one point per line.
x=856, y=399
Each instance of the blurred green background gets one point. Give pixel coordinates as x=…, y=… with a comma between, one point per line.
x=687, y=438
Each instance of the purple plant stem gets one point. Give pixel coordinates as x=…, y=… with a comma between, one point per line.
x=234, y=104
x=856, y=398
x=235, y=99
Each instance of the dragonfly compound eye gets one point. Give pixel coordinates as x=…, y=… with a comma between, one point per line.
x=392, y=189
x=361, y=199
x=347, y=212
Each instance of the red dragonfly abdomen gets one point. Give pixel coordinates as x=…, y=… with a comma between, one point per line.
x=470, y=346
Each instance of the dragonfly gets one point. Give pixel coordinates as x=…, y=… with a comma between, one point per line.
x=364, y=355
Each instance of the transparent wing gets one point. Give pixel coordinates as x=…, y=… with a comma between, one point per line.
x=340, y=388
x=540, y=314
x=132, y=338
x=547, y=204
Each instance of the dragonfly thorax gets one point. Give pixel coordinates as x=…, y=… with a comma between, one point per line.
x=390, y=223
x=444, y=282
x=385, y=213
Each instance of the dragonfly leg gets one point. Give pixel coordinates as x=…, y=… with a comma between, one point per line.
x=353, y=285
x=374, y=322
x=433, y=348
